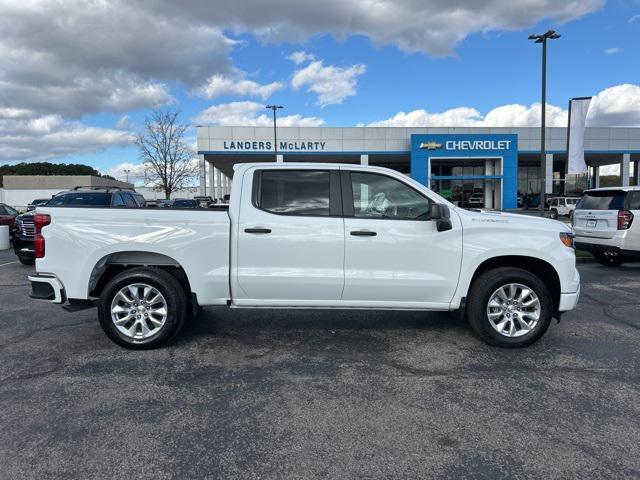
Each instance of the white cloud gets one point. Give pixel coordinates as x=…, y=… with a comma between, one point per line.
x=218, y=85
x=123, y=123
x=301, y=57
x=24, y=135
x=332, y=84
x=430, y=26
x=136, y=171
x=251, y=114
x=612, y=50
x=615, y=106
x=504, y=116
x=634, y=18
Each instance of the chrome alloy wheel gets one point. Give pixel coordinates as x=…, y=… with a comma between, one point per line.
x=513, y=310
x=139, y=311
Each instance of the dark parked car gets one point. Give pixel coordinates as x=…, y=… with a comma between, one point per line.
x=8, y=216
x=24, y=231
x=184, y=203
x=37, y=202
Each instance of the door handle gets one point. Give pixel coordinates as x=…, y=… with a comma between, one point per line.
x=363, y=233
x=257, y=230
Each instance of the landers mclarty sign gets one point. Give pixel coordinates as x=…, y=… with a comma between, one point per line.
x=257, y=146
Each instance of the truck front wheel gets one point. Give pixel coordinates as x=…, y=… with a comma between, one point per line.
x=142, y=308
x=509, y=307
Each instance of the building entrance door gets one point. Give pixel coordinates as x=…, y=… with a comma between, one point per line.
x=468, y=182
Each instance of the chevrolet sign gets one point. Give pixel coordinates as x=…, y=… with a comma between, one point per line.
x=430, y=145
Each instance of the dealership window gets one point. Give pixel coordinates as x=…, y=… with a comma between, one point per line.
x=379, y=196
x=295, y=192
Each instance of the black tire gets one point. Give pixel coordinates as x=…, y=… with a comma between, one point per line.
x=173, y=293
x=26, y=260
x=482, y=290
x=553, y=214
x=609, y=260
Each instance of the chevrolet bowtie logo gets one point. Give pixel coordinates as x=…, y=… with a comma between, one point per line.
x=430, y=145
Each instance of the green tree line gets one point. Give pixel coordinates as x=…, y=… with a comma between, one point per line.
x=45, y=168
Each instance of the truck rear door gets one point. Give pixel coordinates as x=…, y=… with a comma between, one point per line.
x=290, y=237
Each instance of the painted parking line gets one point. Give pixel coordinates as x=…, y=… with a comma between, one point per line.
x=8, y=263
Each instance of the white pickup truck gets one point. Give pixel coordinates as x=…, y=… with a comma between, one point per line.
x=305, y=235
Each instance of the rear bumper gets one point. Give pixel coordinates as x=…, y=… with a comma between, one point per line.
x=46, y=287
x=568, y=301
x=601, y=249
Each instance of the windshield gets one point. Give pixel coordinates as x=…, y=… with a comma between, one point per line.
x=10, y=210
x=572, y=201
x=602, y=200
x=89, y=199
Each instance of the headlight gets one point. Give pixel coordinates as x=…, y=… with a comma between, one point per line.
x=567, y=239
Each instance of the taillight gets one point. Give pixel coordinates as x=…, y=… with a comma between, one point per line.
x=625, y=219
x=39, y=220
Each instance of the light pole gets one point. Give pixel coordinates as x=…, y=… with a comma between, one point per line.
x=275, y=135
x=549, y=34
x=126, y=171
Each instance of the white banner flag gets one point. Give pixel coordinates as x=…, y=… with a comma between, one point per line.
x=578, y=108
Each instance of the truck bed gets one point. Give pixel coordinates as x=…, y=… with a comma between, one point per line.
x=82, y=241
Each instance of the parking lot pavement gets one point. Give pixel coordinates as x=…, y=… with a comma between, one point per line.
x=322, y=394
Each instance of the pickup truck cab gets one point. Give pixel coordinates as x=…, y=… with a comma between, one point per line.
x=304, y=235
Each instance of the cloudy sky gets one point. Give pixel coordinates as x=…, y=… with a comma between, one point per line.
x=77, y=77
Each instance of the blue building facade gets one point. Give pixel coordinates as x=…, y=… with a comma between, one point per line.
x=461, y=165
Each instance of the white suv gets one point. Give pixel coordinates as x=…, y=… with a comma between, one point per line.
x=605, y=224
x=562, y=206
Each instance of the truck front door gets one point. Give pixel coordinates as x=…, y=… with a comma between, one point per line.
x=290, y=238
x=394, y=255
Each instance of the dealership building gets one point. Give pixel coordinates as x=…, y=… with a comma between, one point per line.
x=494, y=165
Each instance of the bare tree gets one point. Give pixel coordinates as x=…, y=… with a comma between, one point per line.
x=168, y=158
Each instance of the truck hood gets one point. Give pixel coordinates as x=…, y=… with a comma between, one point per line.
x=506, y=220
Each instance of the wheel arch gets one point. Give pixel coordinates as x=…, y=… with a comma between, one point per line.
x=540, y=268
x=114, y=263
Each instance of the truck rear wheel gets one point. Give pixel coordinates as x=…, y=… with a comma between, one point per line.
x=509, y=307
x=142, y=308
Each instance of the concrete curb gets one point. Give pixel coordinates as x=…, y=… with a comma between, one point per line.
x=585, y=260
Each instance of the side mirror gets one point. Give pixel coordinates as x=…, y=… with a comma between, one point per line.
x=440, y=214
x=436, y=211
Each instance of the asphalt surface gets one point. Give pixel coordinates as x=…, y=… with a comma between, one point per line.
x=321, y=394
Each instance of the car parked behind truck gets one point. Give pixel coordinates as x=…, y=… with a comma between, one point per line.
x=304, y=235
x=606, y=224
x=104, y=197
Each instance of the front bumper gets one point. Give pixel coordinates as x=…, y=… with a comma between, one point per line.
x=23, y=246
x=568, y=301
x=46, y=287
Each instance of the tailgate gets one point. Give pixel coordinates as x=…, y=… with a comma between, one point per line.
x=595, y=223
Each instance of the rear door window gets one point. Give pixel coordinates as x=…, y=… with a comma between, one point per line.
x=295, y=192
x=633, y=201
x=118, y=201
x=602, y=200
